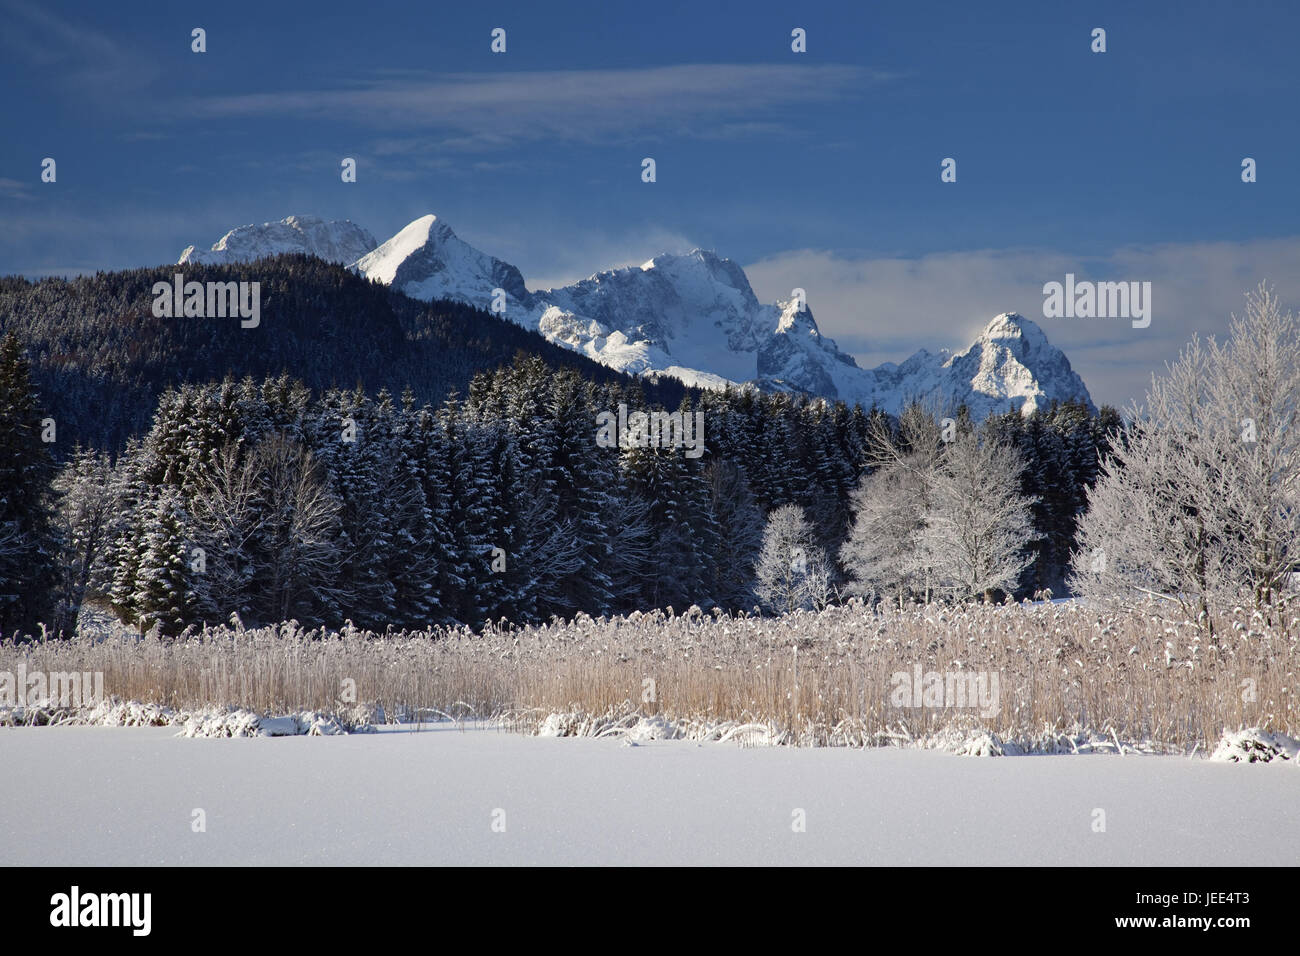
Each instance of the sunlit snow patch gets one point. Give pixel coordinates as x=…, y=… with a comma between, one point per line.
x=1255, y=746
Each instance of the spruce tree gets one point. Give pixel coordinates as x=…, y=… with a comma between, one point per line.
x=28, y=577
x=164, y=596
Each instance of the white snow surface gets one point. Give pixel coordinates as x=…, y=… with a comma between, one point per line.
x=692, y=316
x=78, y=796
x=341, y=241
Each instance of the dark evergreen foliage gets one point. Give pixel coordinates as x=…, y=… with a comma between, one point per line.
x=101, y=359
x=29, y=577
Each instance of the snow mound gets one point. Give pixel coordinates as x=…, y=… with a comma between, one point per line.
x=245, y=723
x=209, y=722
x=1255, y=746
x=635, y=728
x=222, y=723
x=984, y=745
x=104, y=713
x=630, y=726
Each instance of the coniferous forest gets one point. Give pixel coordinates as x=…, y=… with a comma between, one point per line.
x=455, y=480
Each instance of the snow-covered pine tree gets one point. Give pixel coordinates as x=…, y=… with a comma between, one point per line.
x=582, y=474
x=469, y=516
x=164, y=597
x=413, y=570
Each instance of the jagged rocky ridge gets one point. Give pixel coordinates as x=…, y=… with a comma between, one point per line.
x=692, y=316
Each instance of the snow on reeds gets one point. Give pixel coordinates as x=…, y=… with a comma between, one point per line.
x=1069, y=678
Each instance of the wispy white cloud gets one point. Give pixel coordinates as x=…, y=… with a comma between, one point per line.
x=576, y=259
x=71, y=52
x=495, y=110
x=882, y=308
x=15, y=189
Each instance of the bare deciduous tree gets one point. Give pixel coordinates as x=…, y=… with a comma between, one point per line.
x=227, y=520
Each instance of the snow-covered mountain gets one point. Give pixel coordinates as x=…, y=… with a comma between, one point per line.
x=427, y=261
x=692, y=316
x=337, y=241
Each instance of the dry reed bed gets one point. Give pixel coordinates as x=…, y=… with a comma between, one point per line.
x=813, y=678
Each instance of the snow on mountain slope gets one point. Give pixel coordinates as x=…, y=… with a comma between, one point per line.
x=695, y=317
x=795, y=355
x=426, y=260
x=337, y=241
x=1012, y=362
x=695, y=311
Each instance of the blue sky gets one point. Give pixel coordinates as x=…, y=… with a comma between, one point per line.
x=819, y=169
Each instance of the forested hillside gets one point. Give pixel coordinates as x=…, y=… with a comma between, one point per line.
x=101, y=358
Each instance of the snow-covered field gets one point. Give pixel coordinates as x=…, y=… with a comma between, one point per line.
x=127, y=795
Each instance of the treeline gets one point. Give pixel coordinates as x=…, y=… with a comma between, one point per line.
x=265, y=499
x=101, y=359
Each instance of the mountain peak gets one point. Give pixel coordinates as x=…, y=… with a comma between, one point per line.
x=427, y=260
x=427, y=227
x=1012, y=365
x=1013, y=325
x=705, y=256
x=341, y=241
x=694, y=316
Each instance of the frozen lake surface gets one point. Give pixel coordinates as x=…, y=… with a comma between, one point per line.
x=127, y=795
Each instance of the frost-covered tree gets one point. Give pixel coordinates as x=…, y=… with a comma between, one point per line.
x=938, y=516
x=1200, y=501
x=882, y=555
x=84, y=520
x=227, y=521
x=297, y=542
x=792, y=571
x=977, y=522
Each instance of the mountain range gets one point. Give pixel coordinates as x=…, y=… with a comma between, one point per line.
x=691, y=316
